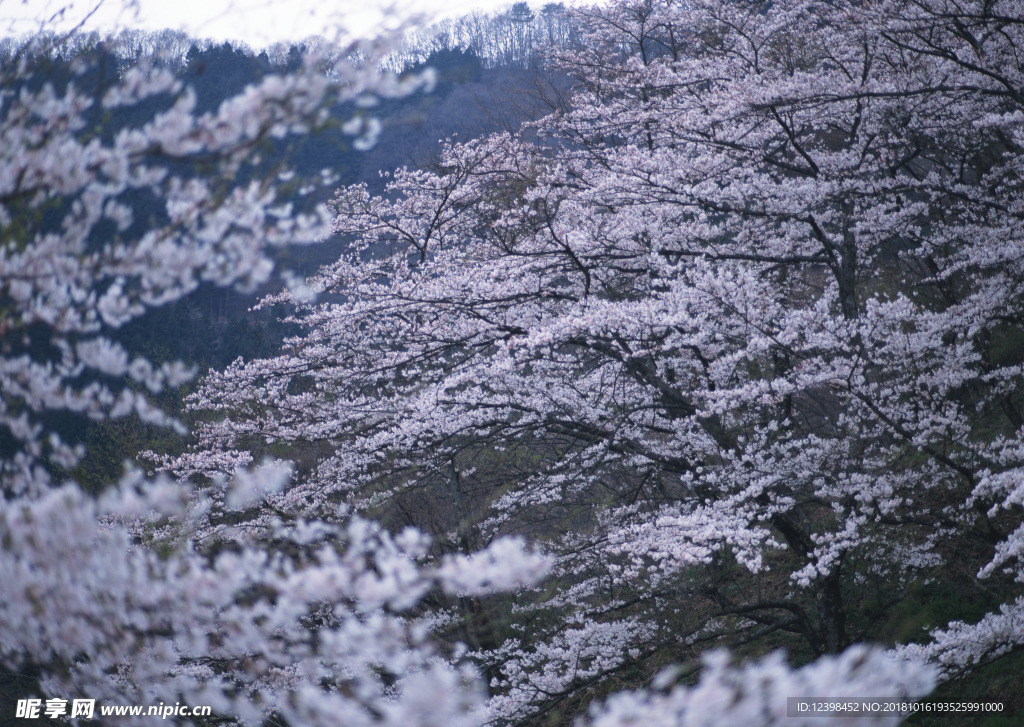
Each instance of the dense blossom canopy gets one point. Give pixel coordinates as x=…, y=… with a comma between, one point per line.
x=733, y=335
x=735, y=332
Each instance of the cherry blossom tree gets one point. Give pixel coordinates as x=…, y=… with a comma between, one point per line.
x=736, y=336
x=131, y=595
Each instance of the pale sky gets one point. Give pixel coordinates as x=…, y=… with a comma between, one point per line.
x=257, y=22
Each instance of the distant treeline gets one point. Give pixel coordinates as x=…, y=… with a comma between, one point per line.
x=514, y=36
x=511, y=37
